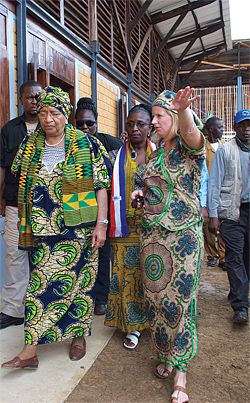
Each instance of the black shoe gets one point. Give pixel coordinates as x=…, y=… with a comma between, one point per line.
x=100, y=309
x=222, y=265
x=212, y=262
x=6, y=321
x=240, y=316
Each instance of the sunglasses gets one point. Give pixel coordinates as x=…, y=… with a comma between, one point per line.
x=81, y=123
x=140, y=125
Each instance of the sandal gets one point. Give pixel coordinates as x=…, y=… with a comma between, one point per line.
x=132, y=337
x=179, y=389
x=165, y=373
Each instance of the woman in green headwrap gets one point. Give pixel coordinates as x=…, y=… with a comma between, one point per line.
x=171, y=241
x=62, y=205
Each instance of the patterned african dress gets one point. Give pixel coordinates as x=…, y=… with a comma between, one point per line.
x=171, y=251
x=58, y=302
x=126, y=306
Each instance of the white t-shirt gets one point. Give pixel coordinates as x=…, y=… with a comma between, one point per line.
x=31, y=127
x=215, y=146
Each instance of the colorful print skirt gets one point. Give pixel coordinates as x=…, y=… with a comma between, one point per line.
x=171, y=263
x=58, y=303
x=126, y=308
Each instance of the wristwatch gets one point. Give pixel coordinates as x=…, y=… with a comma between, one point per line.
x=103, y=221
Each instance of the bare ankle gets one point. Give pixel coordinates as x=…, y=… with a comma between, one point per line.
x=180, y=378
x=28, y=351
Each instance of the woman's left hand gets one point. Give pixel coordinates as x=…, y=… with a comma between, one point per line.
x=183, y=99
x=99, y=236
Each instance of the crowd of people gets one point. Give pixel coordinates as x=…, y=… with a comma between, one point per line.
x=75, y=199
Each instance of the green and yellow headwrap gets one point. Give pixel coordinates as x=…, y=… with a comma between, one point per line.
x=56, y=97
x=165, y=100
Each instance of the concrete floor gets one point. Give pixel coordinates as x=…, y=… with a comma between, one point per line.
x=56, y=376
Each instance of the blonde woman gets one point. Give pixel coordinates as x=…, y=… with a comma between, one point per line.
x=171, y=241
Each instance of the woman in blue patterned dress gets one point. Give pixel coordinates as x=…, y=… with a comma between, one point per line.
x=62, y=204
x=171, y=241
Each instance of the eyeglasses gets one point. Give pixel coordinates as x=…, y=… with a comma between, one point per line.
x=139, y=124
x=81, y=123
x=53, y=115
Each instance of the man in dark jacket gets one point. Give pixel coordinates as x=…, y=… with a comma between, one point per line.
x=17, y=264
x=86, y=120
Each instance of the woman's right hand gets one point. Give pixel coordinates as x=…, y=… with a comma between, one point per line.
x=137, y=199
x=183, y=99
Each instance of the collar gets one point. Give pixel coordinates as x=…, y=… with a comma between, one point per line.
x=209, y=147
x=242, y=145
x=21, y=119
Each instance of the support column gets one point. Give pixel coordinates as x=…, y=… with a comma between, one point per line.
x=22, y=71
x=95, y=51
x=94, y=47
x=239, y=83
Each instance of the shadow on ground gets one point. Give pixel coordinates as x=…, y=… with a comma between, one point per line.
x=219, y=374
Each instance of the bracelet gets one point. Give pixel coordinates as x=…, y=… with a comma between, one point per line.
x=103, y=221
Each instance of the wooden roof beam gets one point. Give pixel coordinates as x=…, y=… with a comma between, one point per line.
x=204, y=55
x=185, y=51
x=245, y=44
x=197, y=34
x=139, y=15
x=169, y=34
x=218, y=64
x=204, y=70
x=159, y=17
x=191, y=72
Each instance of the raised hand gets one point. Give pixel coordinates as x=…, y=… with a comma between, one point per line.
x=183, y=99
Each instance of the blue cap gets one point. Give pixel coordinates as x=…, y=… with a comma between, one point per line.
x=241, y=115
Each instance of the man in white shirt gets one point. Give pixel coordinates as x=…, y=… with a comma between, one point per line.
x=214, y=245
x=17, y=263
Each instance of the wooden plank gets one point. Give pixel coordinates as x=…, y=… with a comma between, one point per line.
x=139, y=15
x=161, y=71
x=122, y=35
x=204, y=70
x=197, y=34
x=219, y=64
x=191, y=72
x=79, y=10
x=183, y=54
x=169, y=34
x=4, y=74
x=93, y=36
x=141, y=48
x=211, y=51
x=52, y=8
x=158, y=17
x=62, y=12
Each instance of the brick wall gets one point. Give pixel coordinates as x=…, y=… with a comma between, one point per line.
x=108, y=96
